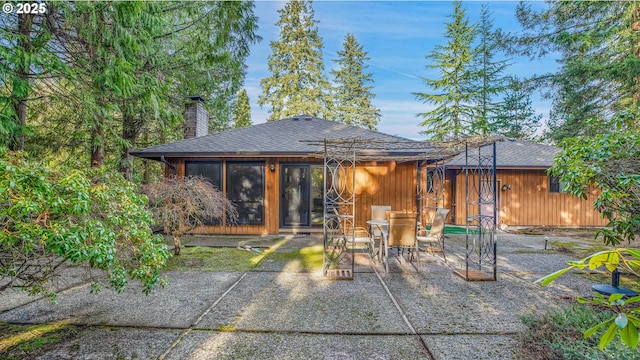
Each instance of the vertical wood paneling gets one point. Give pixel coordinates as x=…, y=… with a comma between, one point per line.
x=529, y=202
x=384, y=183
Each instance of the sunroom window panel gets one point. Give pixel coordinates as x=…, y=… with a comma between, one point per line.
x=245, y=189
x=210, y=171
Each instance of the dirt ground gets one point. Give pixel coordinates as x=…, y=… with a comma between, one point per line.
x=576, y=233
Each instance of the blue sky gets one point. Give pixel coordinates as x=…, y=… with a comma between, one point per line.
x=397, y=35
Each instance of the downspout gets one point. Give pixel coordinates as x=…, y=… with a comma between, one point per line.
x=170, y=165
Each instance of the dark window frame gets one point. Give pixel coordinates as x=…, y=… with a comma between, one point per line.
x=220, y=164
x=243, y=207
x=556, y=186
x=208, y=162
x=430, y=176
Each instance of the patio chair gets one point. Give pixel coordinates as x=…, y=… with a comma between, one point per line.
x=433, y=237
x=359, y=235
x=378, y=212
x=402, y=235
x=354, y=235
x=444, y=212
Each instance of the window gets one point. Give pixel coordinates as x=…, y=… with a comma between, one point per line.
x=209, y=170
x=430, y=181
x=556, y=185
x=245, y=189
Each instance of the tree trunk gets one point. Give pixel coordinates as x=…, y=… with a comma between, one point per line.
x=130, y=135
x=176, y=245
x=25, y=22
x=97, y=145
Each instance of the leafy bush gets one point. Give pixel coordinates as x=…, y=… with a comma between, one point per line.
x=51, y=219
x=558, y=334
x=608, y=160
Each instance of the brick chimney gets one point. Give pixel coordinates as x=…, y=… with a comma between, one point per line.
x=196, y=118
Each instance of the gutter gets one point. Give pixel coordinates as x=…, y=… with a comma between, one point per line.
x=170, y=165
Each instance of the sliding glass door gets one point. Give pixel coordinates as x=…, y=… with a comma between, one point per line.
x=301, y=195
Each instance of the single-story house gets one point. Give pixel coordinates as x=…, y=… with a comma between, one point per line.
x=274, y=173
x=526, y=195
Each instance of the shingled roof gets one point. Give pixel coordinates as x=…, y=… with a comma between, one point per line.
x=513, y=153
x=286, y=137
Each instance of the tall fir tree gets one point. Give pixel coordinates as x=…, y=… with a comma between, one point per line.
x=107, y=73
x=297, y=84
x=515, y=115
x=242, y=111
x=599, y=67
x=27, y=58
x=453, y=95
x=352, y=96
x=488, y=75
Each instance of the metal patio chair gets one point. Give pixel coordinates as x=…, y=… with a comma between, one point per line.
x=434, y=237
x=402, y=235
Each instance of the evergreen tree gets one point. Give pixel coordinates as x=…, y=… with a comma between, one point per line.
x=453, y=94
x=352, y=97
x=27, y=58
x=488, y=74
x=297, y=84
x=515, y=116
x=213, y=42
x=106, y=73
x=242, y=111
x=599, y=73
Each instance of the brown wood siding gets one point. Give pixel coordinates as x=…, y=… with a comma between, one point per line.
x=271, y=197
x=529, y=203
x=384, y=183
x=377, y=183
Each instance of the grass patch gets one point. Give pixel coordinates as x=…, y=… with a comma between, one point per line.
x=567, y=244
x=27, y=341
x=557, y=334
x=202, y=258
x=310, y=257
x=532, y=251
x=227, y=328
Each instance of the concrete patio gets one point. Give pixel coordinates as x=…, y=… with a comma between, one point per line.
x=278, y=311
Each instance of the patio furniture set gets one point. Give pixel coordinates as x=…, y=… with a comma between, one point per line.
x=401, y=231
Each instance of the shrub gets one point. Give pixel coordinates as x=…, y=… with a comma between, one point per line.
x=558, y=334
x=183, y=204
x=51, y=219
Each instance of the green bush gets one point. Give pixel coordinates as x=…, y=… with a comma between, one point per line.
x=558, y=334
x=54, y=218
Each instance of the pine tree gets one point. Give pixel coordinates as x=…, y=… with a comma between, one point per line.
x=352, y=97
x=27, y=58
x=107, y=73
x=515, y=116
x=599, y=72
x=297, y=84
x=242, y=111
x=453, y=95
x=488, y=74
